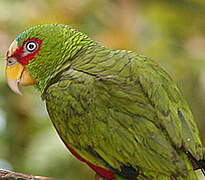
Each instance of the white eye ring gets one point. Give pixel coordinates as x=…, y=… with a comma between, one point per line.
x=31, y=46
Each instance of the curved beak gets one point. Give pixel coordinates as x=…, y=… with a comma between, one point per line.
x=16, y=73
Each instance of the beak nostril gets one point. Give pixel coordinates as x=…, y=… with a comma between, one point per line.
x=11, y=61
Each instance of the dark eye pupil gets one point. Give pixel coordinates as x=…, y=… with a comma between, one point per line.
x=31, y=46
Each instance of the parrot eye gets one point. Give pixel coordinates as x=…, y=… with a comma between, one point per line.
x=31, y=46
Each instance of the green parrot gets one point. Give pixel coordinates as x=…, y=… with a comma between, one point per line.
x=115, y=110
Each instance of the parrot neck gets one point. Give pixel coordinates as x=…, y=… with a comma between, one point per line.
x=54, y=63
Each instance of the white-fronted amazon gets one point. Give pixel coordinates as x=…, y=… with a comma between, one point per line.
x=115, y=110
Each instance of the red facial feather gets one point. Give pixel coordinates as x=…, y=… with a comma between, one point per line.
x=20, y=51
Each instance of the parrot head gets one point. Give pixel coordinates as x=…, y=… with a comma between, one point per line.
x=40, y=52
x=18, y=56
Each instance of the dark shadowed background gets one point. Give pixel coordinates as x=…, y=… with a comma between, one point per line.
x=170, y=31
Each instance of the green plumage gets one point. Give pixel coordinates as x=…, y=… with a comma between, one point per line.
x=115, y=108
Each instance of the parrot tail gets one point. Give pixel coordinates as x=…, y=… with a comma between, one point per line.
x=201, y=165
x=198, y=164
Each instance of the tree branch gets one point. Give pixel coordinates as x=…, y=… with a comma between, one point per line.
x=9, y=175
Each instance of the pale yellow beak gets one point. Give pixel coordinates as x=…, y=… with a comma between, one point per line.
x=16, y=73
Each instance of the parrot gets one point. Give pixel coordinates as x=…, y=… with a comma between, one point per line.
x=116, y=111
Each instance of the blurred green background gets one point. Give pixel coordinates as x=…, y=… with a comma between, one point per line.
x=170, y=31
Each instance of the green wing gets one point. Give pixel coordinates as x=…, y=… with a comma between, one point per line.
x=123, y=110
